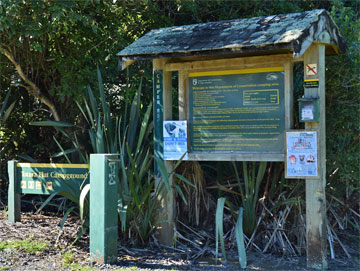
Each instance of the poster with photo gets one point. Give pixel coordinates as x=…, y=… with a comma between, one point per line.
x=175, y=139
x=301, y=157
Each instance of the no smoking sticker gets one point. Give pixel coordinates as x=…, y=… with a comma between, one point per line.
x=311, y=69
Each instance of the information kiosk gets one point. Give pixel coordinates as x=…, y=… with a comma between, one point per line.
x=235, y=85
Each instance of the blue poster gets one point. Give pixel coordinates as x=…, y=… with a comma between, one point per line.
x=175, y=139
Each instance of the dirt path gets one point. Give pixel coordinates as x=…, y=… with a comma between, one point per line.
x=40, y=250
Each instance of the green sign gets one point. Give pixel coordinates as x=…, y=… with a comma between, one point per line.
x=158, y=117
x=237, y=111
x=44, y=179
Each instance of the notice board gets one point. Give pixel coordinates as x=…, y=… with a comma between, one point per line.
x=237, y=111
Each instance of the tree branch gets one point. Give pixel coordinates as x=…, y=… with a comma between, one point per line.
x=31, y=88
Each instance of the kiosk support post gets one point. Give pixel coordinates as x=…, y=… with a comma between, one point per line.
x=315, y=188
x=167, y=212
x=14, y=201
x=103, y=208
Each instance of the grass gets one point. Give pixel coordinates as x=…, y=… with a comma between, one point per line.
x=4, y=268
x=69, y=261
x=128, y=269
x=79, y=267
x=71, y=264
x=28, y=245
x=68, y=257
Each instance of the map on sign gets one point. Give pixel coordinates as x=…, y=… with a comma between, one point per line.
x=239, y=111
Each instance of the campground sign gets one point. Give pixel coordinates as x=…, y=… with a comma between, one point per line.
x=42, y=179
x=46, y=179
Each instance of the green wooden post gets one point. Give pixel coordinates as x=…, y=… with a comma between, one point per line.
x=14, y=203
x=163, y=110
x=103, y=208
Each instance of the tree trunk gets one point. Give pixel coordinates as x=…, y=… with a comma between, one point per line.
x=31, y=87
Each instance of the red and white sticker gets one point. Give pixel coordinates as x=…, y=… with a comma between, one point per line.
x=311, y=69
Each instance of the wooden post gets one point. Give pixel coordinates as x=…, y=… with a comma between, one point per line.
x=289, y=94
x=14, y=201
x=183, y=97
x=314, y=58
x=103, y=208
x=167, y=229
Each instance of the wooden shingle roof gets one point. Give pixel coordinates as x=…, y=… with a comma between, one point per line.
x=285, y=33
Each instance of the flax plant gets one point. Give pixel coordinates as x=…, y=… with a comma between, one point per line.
x=128, y=136
x=239, y=234
x=253, y=176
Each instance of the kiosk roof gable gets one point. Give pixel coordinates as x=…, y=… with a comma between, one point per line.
x=285, y=32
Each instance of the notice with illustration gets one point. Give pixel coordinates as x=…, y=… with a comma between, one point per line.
x=240, y=111
x=175, y=140
x=301, y=154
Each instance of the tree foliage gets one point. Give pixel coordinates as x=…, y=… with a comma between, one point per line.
x=342, y=101
x=53, y=46
x=49, y=51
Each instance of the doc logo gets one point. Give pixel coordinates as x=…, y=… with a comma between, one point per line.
x=195, y=82
x=271, y=76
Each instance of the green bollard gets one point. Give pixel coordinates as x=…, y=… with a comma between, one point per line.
x=14, y=201
x=103, y=208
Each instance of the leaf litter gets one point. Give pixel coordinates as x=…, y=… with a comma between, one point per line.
x=195, y=250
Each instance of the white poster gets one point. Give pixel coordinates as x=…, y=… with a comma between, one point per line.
x=175, y=139
x=301, y=154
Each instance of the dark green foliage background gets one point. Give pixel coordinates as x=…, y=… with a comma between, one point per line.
x=59, y=44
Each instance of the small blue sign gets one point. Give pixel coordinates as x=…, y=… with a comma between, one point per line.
x=175, y=139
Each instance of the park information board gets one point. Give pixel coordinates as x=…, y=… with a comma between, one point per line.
x=44, y=179
x=237, y=111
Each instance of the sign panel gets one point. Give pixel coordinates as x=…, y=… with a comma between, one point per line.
x=311, y=69
x=158, y=114
x=308, y=109
x=311, y=83
x=44, y=179
x=301, y=157
x=175, y=140
x=237, y=111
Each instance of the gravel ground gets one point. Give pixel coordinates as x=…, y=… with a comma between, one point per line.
x=60, y=256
